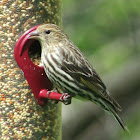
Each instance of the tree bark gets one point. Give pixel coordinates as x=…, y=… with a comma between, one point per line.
x=20, y=115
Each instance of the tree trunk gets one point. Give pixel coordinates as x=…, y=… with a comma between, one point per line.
x=20, y=115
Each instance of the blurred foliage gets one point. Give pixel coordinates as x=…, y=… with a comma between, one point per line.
x=104, y=28
x=107, y=32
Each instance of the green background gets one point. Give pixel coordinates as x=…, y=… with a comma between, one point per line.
x=108, y=33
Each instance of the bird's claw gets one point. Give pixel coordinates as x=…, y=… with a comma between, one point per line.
x=65, y=98
x=52, y=101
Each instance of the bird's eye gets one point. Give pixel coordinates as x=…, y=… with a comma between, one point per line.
x=47, y=31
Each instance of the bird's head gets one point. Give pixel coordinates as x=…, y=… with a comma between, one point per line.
x=48, y=33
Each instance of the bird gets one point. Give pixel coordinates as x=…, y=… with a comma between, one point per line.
x=70, y=71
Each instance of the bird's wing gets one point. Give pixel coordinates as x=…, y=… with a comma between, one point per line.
x=80, y=69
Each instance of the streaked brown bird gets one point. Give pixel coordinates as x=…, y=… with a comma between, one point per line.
x=69, y=70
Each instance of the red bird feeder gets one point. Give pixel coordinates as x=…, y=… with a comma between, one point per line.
x=34, y=74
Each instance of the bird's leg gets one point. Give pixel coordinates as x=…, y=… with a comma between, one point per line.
x=66, y=98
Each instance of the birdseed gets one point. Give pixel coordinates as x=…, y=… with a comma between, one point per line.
x=20, y=116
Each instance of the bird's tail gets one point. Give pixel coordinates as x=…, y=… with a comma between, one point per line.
x=111, y=109
x=119, y=120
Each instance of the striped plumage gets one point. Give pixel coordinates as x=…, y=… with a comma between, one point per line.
x=70, y=71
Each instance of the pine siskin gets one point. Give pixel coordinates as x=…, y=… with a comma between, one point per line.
x=69, y=70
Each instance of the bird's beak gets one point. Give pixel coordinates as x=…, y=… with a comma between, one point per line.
x=33, y=35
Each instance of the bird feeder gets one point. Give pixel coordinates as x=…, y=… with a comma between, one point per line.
x=33, y=73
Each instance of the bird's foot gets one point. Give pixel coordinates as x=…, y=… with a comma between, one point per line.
x=66, y=98
x=52, y=101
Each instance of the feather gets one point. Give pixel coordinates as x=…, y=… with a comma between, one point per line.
x=76, y=65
